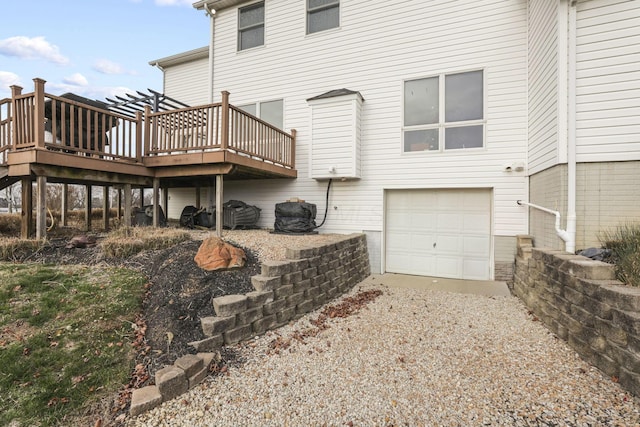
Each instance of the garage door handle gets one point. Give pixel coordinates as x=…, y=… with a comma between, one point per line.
x=434, y=245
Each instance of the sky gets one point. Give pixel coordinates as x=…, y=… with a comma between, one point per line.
x=96, y=49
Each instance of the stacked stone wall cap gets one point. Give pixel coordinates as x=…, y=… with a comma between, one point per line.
x=144, y=399
x=208, y=344
x=190, y=364
x=264, y=284
x=619, y=296
x=172, y=382
x=524, y=240
x=215, y=325
x=585, y=268
x=275, y=268
x=229, y=305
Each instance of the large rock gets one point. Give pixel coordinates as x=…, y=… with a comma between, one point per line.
x=216, y=254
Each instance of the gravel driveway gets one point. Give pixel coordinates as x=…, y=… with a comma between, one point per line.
x=408, y=358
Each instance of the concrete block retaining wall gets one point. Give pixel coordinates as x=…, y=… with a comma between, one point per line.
x=580, y=301
x=285, y=290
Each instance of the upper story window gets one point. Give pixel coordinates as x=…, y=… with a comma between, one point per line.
x=251, y=26
x=271, y=112
x=322, y=15
x=444, y=112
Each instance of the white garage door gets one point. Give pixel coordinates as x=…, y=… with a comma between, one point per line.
x=442, y=233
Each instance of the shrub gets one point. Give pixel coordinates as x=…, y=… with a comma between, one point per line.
x=10, y=224
x=12, y=249
x=127, y=241
x=624, y=243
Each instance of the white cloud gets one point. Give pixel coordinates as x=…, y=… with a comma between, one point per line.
x=32, y=48
x=7, y=79
x=174, y=2
x=91, y=92
x=76, y=79
x=106, y=66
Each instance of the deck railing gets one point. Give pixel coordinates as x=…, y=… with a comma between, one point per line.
x=59, y=123
x=219, y=126
x=5, y=129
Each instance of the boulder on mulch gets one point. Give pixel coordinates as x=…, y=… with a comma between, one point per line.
x=216, y=254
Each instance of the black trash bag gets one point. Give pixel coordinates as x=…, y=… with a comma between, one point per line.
x=187, y=217
x=296, y=210
x=234, y=204
x=295, y=217
x=144, y=216
x=597, y=254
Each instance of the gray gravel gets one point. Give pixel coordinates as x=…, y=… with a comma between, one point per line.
x=414, y=358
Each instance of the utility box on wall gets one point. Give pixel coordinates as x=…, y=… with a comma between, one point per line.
x=335, y=134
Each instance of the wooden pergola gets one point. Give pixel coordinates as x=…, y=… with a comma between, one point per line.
x=143, y=141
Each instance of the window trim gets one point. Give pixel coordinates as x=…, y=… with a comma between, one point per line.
x=251, y=27
x=442, y=125
x=309, y=11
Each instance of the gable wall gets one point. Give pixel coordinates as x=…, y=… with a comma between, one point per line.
x=608, y=81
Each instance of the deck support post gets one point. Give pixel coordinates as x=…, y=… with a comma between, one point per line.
x=127, y=205
x=64, y=205
x=141, y=197
x=87, y=211
x=219, y=207
x=156, y=202
x=119, y=205
x=26, y=228
x=105, y=207
x=41, y=207
x=165, y=200
x=197, y=197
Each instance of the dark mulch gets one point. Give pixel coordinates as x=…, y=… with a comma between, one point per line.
x=180, y=292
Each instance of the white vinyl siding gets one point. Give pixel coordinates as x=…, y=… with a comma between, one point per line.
x=608, y=81
x=372, y=54
x=543, y=84
x=187, y=82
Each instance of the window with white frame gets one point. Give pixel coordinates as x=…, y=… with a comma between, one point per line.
x=251, y=26
x=444, y=112
x=271, y=112
x=322, y=15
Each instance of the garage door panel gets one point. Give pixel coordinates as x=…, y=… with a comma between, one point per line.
x=457, y=221
x=475, y=269
x=450, y=222
x=477, y=223
x=448, y=244
x=448, y=266
x=476, y=246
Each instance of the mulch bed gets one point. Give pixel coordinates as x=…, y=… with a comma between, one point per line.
x=179, y=293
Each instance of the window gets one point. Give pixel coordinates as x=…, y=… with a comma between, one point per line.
x=444, y=112
x=322, y=15
x=271, y=112
x=251, y=26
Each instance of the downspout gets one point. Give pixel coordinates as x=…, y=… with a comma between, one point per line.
x=563, y=234
x=212, y=14
x=571, y=130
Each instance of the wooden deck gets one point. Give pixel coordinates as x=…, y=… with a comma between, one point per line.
x=59, y=139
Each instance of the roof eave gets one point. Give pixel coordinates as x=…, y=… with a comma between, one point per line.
x=180, y=58
x=217, y=4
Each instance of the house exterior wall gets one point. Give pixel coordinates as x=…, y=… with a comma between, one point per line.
x=607, y=128
x=607, y=195
x=187, y=82
x=608, y=81
x=494, y=39
x=543, y=85
x=377, y=47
